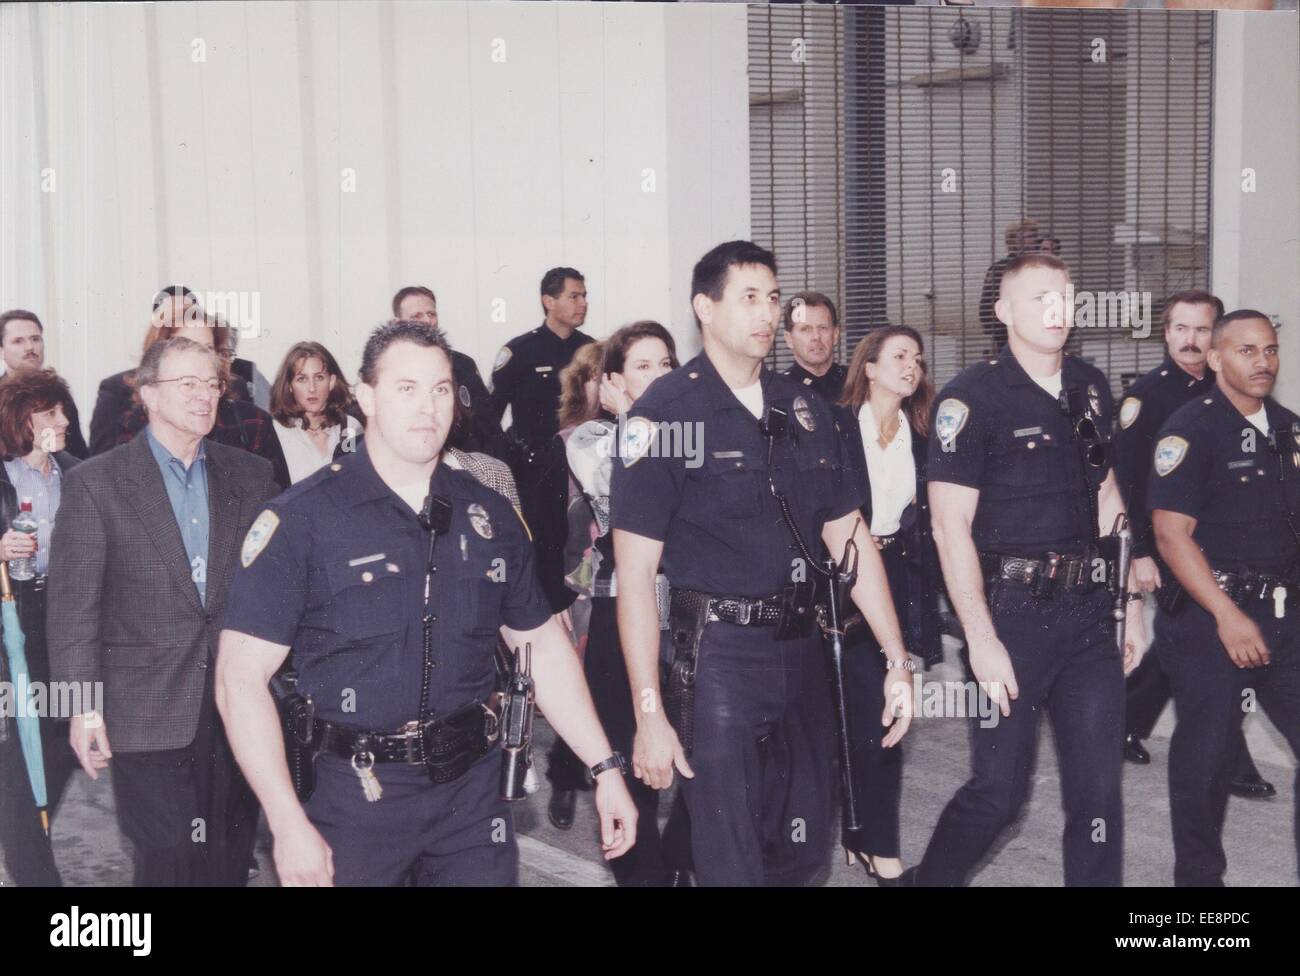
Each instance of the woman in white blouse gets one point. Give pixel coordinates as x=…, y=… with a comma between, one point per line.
x=309, y=401
x=885, y=418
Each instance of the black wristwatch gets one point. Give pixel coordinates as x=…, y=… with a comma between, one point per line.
x=616, y=761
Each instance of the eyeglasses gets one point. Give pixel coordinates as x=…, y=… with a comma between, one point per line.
x=191, y=385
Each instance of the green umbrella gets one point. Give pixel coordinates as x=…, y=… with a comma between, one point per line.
x=29, y=724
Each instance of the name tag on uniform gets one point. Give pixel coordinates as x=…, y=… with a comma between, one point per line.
x=1027, y=431
x=724, y=455
x=362, y=560
x=1240, y=464
x=543, y=369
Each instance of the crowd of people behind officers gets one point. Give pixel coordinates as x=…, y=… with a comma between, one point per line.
x=702, y=654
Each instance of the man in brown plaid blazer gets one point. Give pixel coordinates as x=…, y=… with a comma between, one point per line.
x=141, y=559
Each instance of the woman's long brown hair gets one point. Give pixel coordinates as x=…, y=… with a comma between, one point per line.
x=584, y=367
x=857, y=388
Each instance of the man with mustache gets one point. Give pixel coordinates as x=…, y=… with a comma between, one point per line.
x=1225, y=504
x=1188, y=318
x=22, y=345
x=812, y=331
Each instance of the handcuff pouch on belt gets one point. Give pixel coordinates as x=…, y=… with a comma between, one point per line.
x=688, y=612
x=298, y=720
x=799, y=603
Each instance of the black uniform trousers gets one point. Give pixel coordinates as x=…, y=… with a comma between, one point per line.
x=654, y=856
x=761, y=799
x=188, y=812
x=877, y=772
x=1148, y=692
x=1066, y=662
x=1210, y=698
x=453, y=834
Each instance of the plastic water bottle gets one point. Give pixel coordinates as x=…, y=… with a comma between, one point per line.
x=24, y=521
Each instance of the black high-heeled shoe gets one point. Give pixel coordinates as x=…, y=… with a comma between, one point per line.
x=850, y=856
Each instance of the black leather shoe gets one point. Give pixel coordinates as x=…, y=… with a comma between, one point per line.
x=1134, y=751
x=1252, y=787
x=561, y=808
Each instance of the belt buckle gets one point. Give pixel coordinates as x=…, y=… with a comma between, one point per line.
x=743, y=608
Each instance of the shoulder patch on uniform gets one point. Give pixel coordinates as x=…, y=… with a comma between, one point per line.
x=464, y=396
x=638, y=434
x=503, y=357
x=259, y=534
x=1170, y=453
x=1128, y=412
x=949, y=420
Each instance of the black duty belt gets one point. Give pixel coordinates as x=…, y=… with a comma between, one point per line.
x=1054, y=570
x=450, y=743
x=764, y=612
x=1246, y=585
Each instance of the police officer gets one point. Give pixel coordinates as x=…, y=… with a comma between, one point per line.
x=526, y=378
x=812, y=331
x=1020, y=488
x=756, y=748
x=1225, y=503
x=479, y=429
x=526, y=374
x=1188, y=317
x=339, y=570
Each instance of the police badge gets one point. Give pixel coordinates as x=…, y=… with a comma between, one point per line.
x=1169, y=454
x=949, y=420
x=478, y=518
x=1094, y=401
x=803, y=413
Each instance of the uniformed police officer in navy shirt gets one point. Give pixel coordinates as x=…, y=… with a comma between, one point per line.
x=338, y=570
x=1020, y=489
x=1188, y=319
x=1224, y=494
x=757, y=782
x=812, y=331
x=526, y=378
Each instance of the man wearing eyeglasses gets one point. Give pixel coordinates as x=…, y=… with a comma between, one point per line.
x=143, y=563
x=1021, y=489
